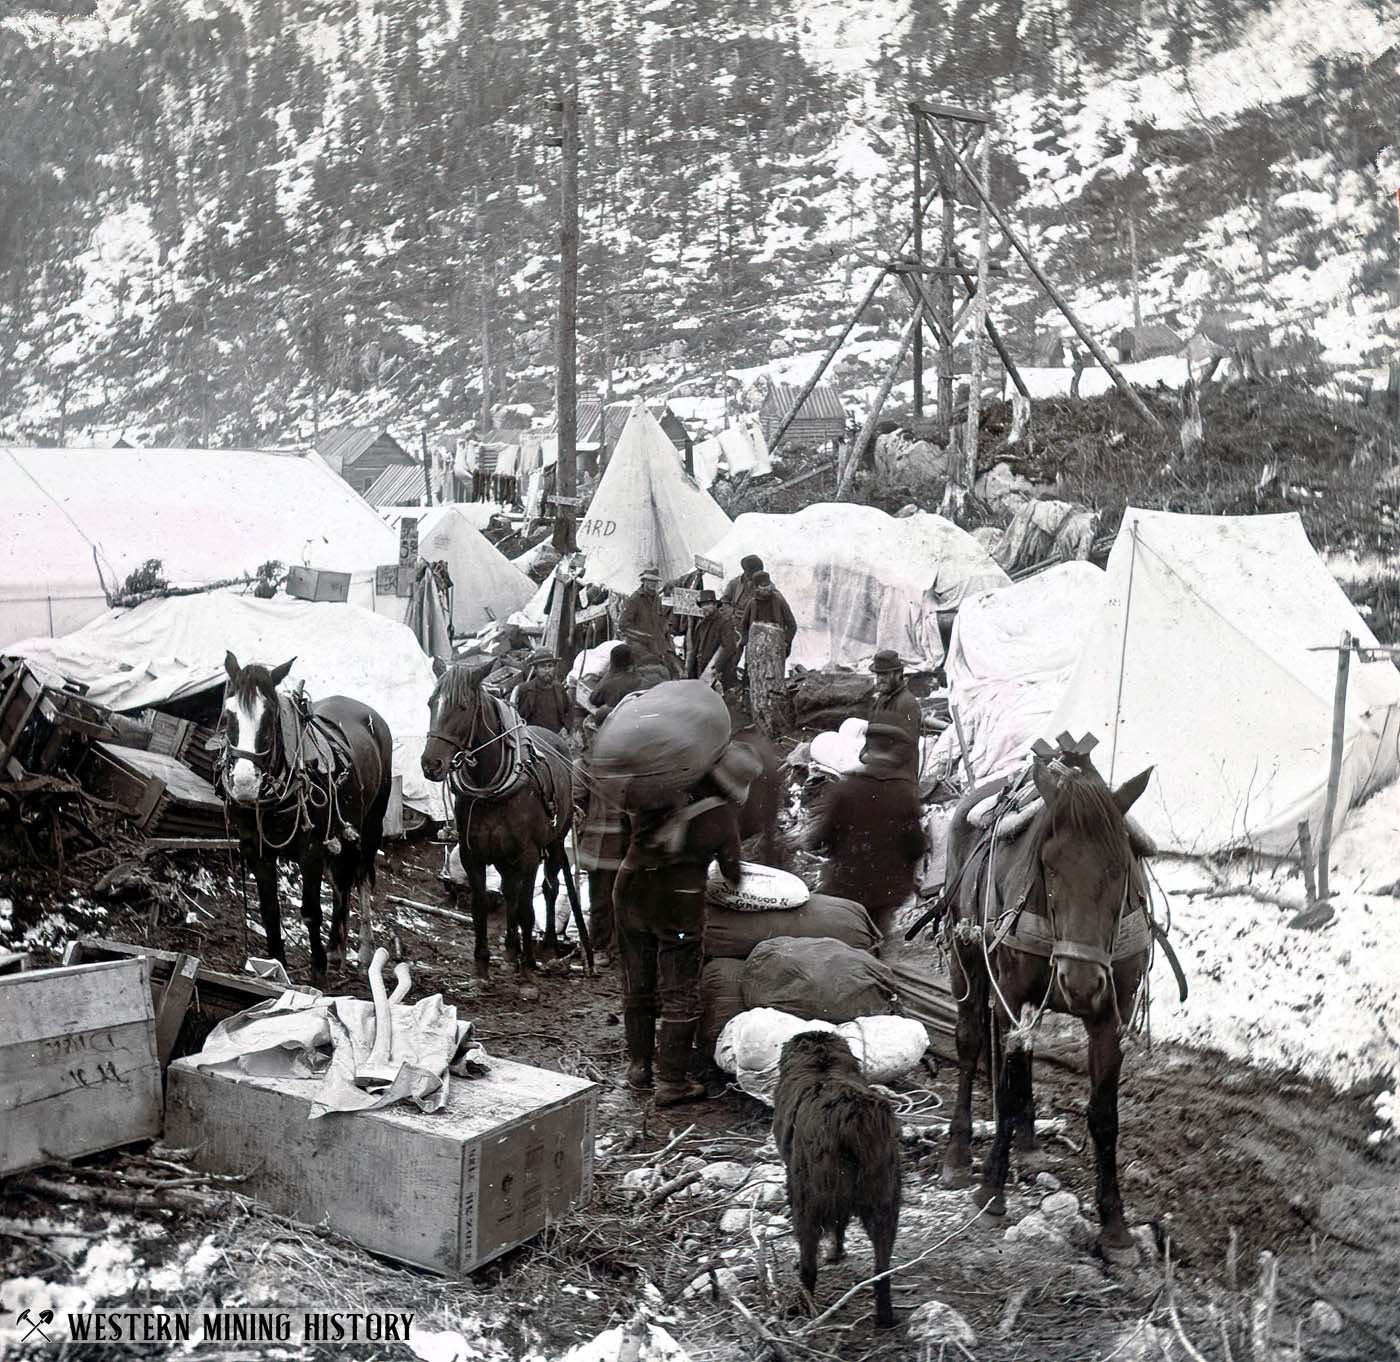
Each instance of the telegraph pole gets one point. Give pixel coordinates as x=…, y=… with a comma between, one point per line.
x=566, y=384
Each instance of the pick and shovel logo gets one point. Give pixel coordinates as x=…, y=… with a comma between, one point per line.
x=36, y=1324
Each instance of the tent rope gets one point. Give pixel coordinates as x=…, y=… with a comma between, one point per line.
x=1123, y=659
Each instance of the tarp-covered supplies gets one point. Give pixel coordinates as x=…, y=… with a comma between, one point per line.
x=721, y=999
x=1043, y=530
x=1200, y=664
x=859, y=580
x=168, y=649
x=1010, y=658
x=750, y=1047
x=658, y=744
x=731, y=935
x=818, y=978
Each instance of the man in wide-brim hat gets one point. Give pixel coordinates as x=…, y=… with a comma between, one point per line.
x=715, y=643
x=870, y=825
x=894, y=703
x=643, y=623
x=738, y=591
x=540, y=698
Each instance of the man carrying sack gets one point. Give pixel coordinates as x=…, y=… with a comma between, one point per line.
x=660, y=908
x=869, y=823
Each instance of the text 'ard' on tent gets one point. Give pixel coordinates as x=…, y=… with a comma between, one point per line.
x=646, y=511
x=859, y=580
x=1200, y=666
x=78, y=522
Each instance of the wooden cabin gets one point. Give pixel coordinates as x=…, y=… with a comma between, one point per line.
x=361, y=453
x=821, y=419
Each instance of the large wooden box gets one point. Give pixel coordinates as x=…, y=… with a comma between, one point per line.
x=447, y=1191
x=78, y=1070
x=317, y=584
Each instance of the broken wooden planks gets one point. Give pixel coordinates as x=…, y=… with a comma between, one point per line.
x=78, y=1067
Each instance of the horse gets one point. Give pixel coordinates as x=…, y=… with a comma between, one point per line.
x=1064, y=902
x=304, y=782
x=513, y=796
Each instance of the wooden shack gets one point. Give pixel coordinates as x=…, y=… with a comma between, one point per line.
x=821, y=419
x=361, y=453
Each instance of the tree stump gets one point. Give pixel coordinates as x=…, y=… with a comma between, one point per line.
x=1192, y=428
x=769, y=701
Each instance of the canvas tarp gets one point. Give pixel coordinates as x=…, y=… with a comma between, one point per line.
x=1010, y=658
x=646, y=511
x=1199, y=666
x=859, y=580
x=208, y=515
x=166, y=649
x=486, y=585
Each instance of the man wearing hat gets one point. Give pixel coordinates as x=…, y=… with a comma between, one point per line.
x=869, y=823
x=660, y=909
x=738, y=591
x=767, y=606
x=893, y=702
x=642, y=622
x=540, y=698
x=715, y=644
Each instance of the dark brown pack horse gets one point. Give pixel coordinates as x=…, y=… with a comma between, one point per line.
x=513, y=800
x=308, y=783
x=1051, y=917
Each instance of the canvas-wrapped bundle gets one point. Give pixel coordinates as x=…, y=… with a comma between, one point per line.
x=655, y=746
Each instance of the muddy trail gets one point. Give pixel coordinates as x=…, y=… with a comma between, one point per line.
x=1221, y=1164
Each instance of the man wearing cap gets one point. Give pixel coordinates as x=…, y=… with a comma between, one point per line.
x=767, y=606
x=715, y=650
x=540, y=698
x=660, y=907
x=869, y=825
x=643, y=621
x=738, y=591
x=893, y=702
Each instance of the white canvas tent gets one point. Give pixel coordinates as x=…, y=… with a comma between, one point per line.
x=646, y=511
x=166, y=649
x=1010, y=658
x=486, y=585
x=859, y=580
x=1199, y=666
x=76, y=518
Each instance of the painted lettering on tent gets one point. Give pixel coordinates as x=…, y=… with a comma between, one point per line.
x=597, y=529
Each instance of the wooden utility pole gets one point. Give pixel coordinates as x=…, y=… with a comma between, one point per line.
x=566, y=385
x=948, y=242
x=427, y=468
x=918, y=260
x=958, y=487
x=484, y=420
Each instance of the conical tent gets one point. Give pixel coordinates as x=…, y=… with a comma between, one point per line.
x=646, y=511
x=1200, y=666
x=483, y=578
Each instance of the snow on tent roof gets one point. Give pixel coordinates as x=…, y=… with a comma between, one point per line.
x=646, y=511
x=483, y=578
x=859, y=580
x=1219, y=692
x=207, y=514
x=165, y=649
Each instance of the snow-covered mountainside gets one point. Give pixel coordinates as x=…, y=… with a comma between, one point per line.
x=224, y=220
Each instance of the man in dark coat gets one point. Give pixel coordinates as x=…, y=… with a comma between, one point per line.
x=870, y=825
x=622, y=679
x=716, y=643
x=738, y=591
x=768, y=606
x=643, y=622
x=540, y=698
x=894, y=704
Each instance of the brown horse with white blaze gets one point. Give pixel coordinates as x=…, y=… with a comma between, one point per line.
x=513, y=801
x=308, y=783
x=1053, y=917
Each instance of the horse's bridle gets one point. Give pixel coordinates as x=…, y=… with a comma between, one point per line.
x=463, y=751
x=264, y=761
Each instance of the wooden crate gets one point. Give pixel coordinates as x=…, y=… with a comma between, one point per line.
x=35, y=719
x=316, y=584
x=78, y=1069
x=162, y=796
x=447, y=1192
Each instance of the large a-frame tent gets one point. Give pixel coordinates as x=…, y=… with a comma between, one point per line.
x=1201, y=666
x=486, y=585
x=646, y=511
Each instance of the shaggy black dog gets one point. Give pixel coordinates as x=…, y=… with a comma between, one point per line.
x=840, y=1142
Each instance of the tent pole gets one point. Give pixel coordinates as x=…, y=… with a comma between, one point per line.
x=1334, y=770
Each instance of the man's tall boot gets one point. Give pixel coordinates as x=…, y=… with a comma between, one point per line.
x=673, y=1083
x=640, y=1029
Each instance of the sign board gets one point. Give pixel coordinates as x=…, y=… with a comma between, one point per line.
x=386, y=580
x=575, y=502
x=408, y=540
x=685, y=601
x=708, y=565
x=407, y=576
x=593, y=612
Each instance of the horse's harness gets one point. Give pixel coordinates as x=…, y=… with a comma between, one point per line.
x=301, y=739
